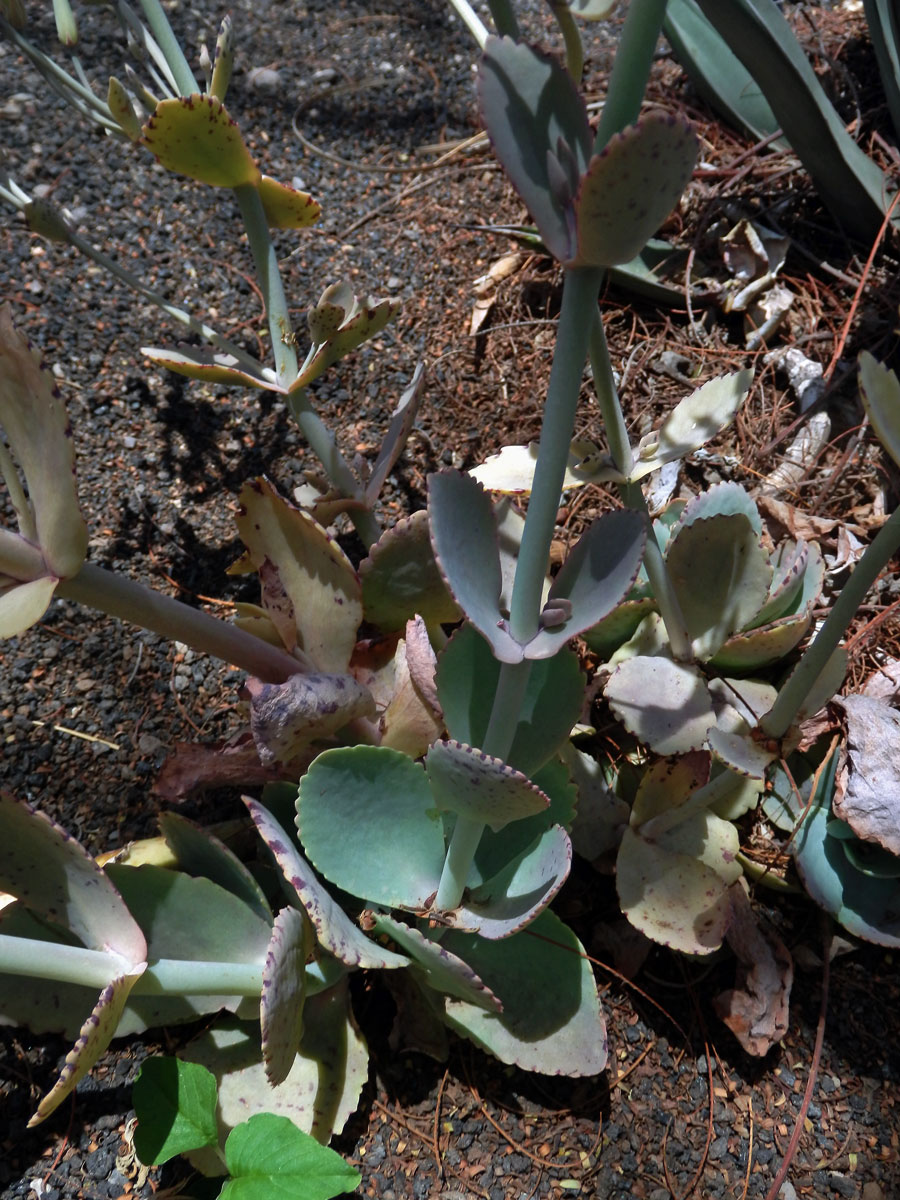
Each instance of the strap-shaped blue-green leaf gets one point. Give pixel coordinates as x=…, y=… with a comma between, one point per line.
x=367, y=820
x=598, y=574
x=467, y=677
x=631, y=187
x=539, y=130
x=883, y=17
x=464, y=537
x=850, y=183
x=880, y=392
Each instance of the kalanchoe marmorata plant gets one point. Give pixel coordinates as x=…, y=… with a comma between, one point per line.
x=437, y=781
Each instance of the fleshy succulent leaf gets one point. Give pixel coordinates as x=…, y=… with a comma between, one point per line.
x=558, y=1030
x=395, y=438
x=309, y=588
x=334, y=929
x=471, y=783
x=213, y=366
x=511, y=470
x=880, y=392
x=286, y=718
x=286, y=207
x=195, y=136
x=200, y=852
x=400, y=578
x=529, y=103
x=467, y=677
x=435, y=965
x=664, y=704
x=630, y=187
x=283, y=992
x=341, y=809
x=464, y=537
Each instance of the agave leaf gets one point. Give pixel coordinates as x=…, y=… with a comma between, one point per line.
x=530, y=108
x=195, y=136
x=630, y=187
x=717, y=73
x=884, y=33
x=512, y=899
x=467, y=677
x=321, y=1090
x=435, y=965
x=664, y=704
x=309, y=588
x=464, y=537
x=199, y=852
x=880, y=392
x=367, y=820
x=283, y=992
x=38, y=432
x=851, y=184
x=475, y=785
x=599, y=572
x=400, y=578
x=286, y=207
x=334, y=929
x=556, y=1030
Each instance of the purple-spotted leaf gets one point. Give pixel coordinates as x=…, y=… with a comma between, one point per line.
x=286, y=207
x=286, y=718
x=599, y=572
x=311, y=591
x=339, y=323
x=394, y=440
x=536, y=120
x=464, y=537
x=556, y=1030
x=630, y=188
x=367, y=820
x=52, y=531
x=474, y=785
x=334, y=930
x=119, y=102
x=512, y=899
x=213, y=366
x=57, y=879
x=440, y=969
x=96, y=1034
x=674, y=887
x=195, y=136
x=664, y=704
x=283, y=992
x=400, y=578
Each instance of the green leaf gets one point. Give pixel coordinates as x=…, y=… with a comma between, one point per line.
x=884, y=32
x=367, y=820
x=880, y=392
x=850, y=183
x=400, y=578
x=195, y=136
x=464, y=537
x=269, y=1157
x=630, y=188
x=467, y=676
x=535, y=117
x=664, y=704
x=286, y=207
x=175, y=1104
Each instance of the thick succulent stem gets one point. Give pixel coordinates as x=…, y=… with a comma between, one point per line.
x=631, y=70
x=783, y=712
x=269, y=279
x=140, y=605
x=471, y=20
x=571, y=34
x=168, y=43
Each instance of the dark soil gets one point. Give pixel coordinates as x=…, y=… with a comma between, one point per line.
x=90, y=709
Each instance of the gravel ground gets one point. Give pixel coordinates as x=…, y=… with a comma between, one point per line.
x=90, y=709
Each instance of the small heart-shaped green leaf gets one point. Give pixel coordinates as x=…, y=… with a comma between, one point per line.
x=175, y=1103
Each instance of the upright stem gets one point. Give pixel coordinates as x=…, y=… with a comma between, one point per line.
x=660, y=583
x=608, y=397
x=783, y=712
x=631, y=70
x=168, y=43
x=269, y=278
x=579, y=300
x=568, y=27
x=471, y=20
x=140, y=605
x=504, y=18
